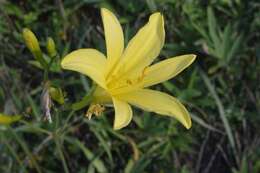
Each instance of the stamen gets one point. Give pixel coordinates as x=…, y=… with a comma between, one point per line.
x=128, y=81
x=95, y=109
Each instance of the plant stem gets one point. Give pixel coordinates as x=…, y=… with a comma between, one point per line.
x=86, y=99
x=57, y=142
x=221, y=112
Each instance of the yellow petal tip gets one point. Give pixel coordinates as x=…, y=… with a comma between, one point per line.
x=157, y=16
x=117, y=127
x=188, y=124
x=63, y=63
x=194, y=56
x=105, y=11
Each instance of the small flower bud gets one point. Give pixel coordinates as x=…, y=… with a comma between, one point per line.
x=33, y=45
x=51, y=48
x=56, y=94
x=31, y=41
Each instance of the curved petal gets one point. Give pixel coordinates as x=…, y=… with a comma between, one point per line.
x=123, y=113
x=158, y=102
x=114, y=38
x=166, y=69
x=87, y=61
x=143, y=48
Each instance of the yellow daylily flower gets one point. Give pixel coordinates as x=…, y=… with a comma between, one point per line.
x=124, y=75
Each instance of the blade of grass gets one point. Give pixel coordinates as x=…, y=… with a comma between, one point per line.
x=226, y=41
x=104, y=144
x=98, y=164
x=13, y=152
x=202, y=32
x=35, y=109
x=151, y=5
x=235, y=47
x=26, y=150
x=203, y=123
x=213, y=27
x=59, y=148
x=85, y=83
x=221, y=111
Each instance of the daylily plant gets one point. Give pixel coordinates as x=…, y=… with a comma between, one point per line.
x=124, y=75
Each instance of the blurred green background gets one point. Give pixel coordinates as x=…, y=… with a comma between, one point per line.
x=221, y=90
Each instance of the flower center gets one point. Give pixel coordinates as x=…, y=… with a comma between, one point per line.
x=121, y=84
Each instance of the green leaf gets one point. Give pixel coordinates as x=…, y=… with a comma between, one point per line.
x=227, y=41
x=97, y=163
x=104, y=143
x=213, y=28
x=235, y=48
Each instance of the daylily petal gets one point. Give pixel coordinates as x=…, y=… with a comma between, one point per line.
x=143, y=48
x=123, y=114
x=166, y=69
x=87, y=61
x=114, y=38
x=158, y=102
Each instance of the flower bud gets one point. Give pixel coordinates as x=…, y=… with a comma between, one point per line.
x=51, y=48
x=31, y=41
x=56, y=94
x=33, y=45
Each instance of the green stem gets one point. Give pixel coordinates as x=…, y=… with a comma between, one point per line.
x=68, y=118
x=47, y=68
x=58, y=145
x=26, y=150
x=39, y=57
x=86, y=99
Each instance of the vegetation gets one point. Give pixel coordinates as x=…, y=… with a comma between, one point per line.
x=221, y=90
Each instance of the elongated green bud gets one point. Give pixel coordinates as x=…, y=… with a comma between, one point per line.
x=33, y=45
x=51, y=48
